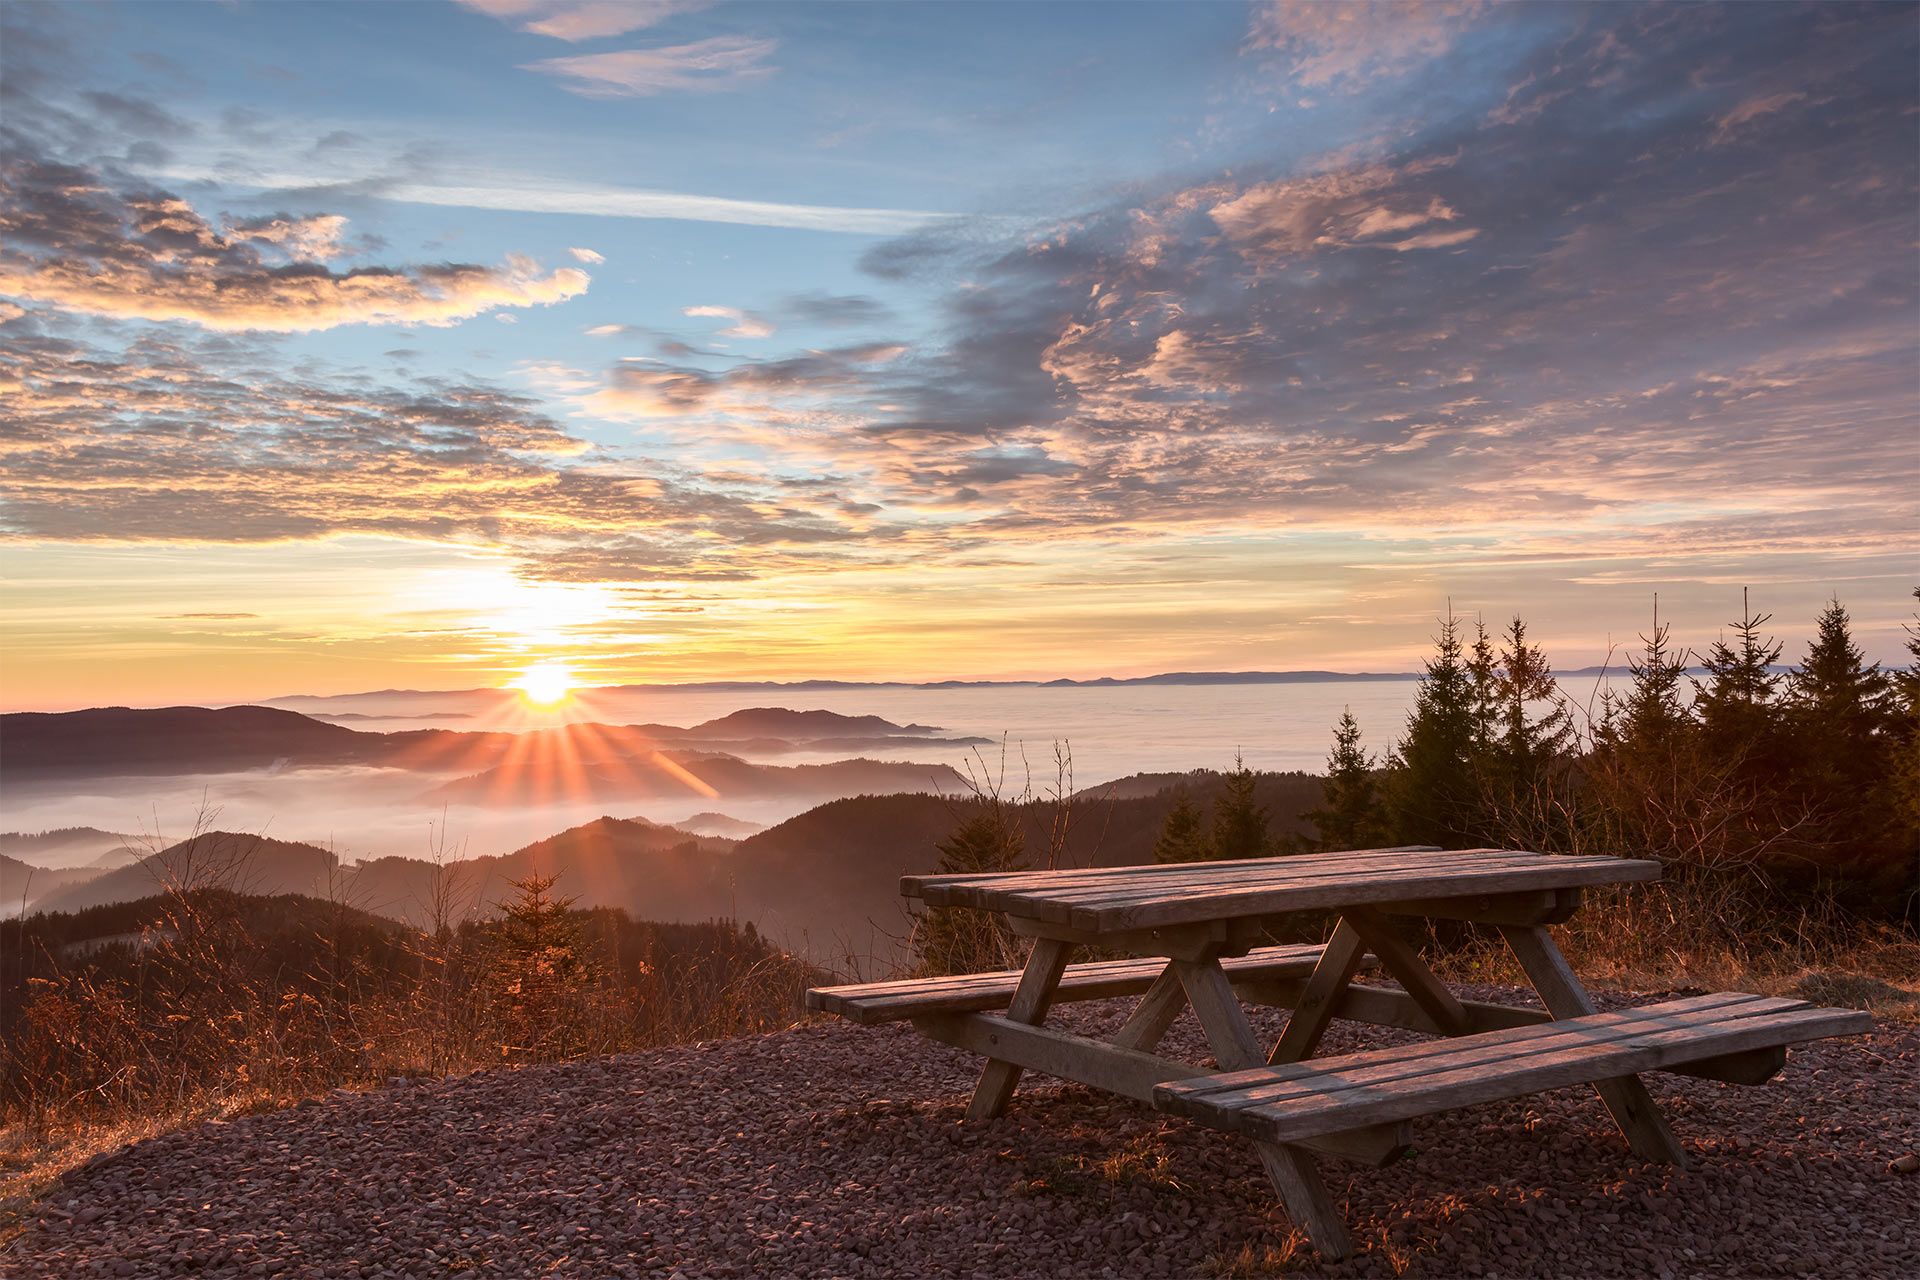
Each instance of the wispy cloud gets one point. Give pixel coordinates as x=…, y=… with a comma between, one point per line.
x=744, y=324
x=1345, y=44
x=528, y=193
x=575, y=20
x=703, y=66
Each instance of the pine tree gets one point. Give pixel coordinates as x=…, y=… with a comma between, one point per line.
x=1905, y=784
x=1349, y=815
x=1739, y=723
x=960, y=940
x=1434, y=793
x=540, y=972
x=1183, y=836
x=1239, y=823
x=1483, y=678
x=1840, y=699
x=1651, y=719
x=1842, y=715
x=1534, y=729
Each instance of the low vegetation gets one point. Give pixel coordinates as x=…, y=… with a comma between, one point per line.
x=122, y=1020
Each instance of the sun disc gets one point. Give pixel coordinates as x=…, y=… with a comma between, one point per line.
x=545, y=684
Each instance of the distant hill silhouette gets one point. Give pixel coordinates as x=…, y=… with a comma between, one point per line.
x=719, y=824
x=24, y=884
x=678, y=774
x=825, y=882
x=116, y=741
x=64, y=847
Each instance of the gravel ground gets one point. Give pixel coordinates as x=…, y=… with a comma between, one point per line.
x=839, y=1150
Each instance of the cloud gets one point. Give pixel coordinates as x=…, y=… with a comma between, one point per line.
x=532, y=194
x=836, y=311
x=138, y=116
x=1346, y=45
x=79, y=240
x=1455, y=333
x=704, y=66
x=575, y=20
x=745, y=325
x=315, y=238
x=210, y=441
x=1364, y=207
x=1751, y=109
x=587, y=256
x=641, y=388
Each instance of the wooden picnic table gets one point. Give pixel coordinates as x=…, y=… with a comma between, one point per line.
x=1194, y=933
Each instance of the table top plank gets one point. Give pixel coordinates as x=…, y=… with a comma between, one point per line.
x=1142, y=891
x=1112, y=899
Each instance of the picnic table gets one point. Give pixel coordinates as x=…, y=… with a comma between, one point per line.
x=1196, y=936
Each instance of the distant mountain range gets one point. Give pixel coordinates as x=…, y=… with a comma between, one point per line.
x=825, y=883
x=803, y=686
x=121, y=741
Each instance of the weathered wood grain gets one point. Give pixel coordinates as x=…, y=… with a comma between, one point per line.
x=1383, y=1086
x=1320, y=997
x=1291, y=1170
x=1031, y=999
x=1632, y=1107
x=869, y=1003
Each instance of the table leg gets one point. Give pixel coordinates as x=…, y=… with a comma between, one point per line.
x=1404, y=964
x=1045, y=964
x=1235, y=1048
x=1627, y=1098
x=1157, y=1011
x=1330, y=977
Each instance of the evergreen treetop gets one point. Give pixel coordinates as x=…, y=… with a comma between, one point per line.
x=1239, y=822
x=1349, y=815
x=1183, y=836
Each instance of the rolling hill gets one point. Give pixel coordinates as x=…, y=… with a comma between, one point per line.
x=824, y=883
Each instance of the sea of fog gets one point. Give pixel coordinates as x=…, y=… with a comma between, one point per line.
x=1112, y=731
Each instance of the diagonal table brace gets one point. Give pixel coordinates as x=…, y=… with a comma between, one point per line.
x=1031, y=999
x=1235, y=1048
x=1633, y=1108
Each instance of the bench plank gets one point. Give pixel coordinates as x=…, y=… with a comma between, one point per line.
x=1381, y=1086
x=876, y=1002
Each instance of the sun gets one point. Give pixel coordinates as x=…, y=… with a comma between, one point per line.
x=545, y=684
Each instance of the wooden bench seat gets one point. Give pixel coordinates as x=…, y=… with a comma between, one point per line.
x=874, y=1002
x=1299, y=1102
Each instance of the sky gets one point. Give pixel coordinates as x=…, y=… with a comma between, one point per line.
x=355, y=346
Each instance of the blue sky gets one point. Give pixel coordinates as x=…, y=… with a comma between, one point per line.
x=350, y=347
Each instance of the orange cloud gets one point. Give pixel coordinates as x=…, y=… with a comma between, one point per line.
x=70, y=239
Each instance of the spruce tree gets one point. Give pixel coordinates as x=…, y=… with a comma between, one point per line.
x=1183, y=836
x=1735, y=703
x=1349, y=815
x=1534, y=729
x=1434, y=792
x=1836, y=689
x=540, y=972
x=1842, y=716
x=1483, y=678
x=1651, y=719
x=1905, y=784
x=958, y=939
x=1239, y=823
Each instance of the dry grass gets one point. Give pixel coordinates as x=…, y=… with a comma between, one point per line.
x=33, y=1158
x=1292, y=1252
x=1630, y=942
x=1143, y=1162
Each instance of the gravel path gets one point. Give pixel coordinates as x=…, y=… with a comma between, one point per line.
x=838, y=1150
